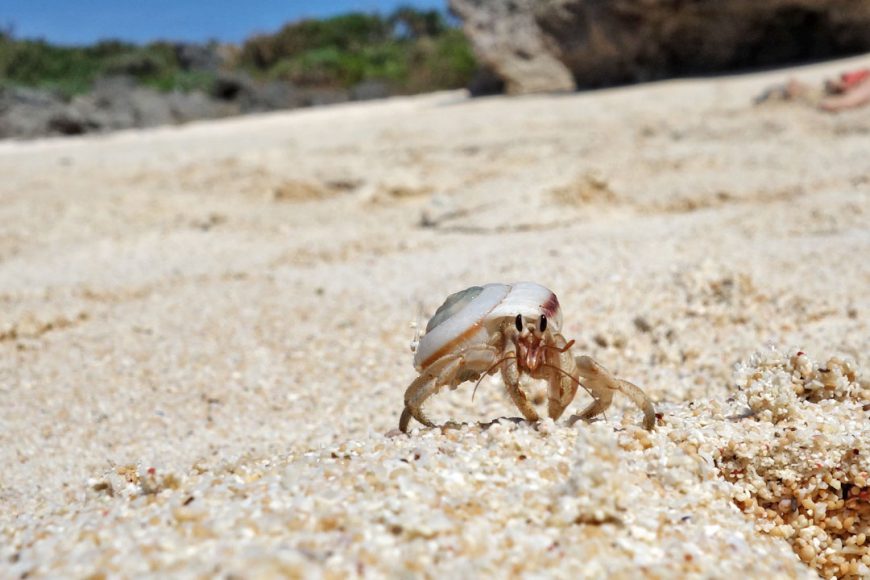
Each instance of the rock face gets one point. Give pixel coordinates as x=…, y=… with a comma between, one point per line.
x=117, y=102
x=28, y=112
x=508, y=41
x=114, y=103
x=536, y=45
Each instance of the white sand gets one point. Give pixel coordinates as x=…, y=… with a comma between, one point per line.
x=229, y=302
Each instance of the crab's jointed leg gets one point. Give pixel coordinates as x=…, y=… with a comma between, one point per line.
x=562, y=385
x=510, y=373
x=449, y=370
x=602, y=384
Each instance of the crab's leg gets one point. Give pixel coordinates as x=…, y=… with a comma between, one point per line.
x=423, y=387
x=602, y=384
x=448, y=370
x=562, y=386
x=510, y=373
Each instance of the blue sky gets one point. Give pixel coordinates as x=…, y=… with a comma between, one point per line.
x=84, y=21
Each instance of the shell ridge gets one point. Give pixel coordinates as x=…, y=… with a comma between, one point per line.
x=463, y=324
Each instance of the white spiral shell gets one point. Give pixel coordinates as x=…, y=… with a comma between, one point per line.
x=472, y=315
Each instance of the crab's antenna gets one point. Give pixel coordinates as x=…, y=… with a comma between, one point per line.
x=487, y=371
x=569, y=375
x=557, y=349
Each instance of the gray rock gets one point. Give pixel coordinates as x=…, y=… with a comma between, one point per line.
x=271, y=96
x=199, y=57
x=29, y=113
x=12, y=96
x=597, y=42
x=369, y=90
x=118, y=103
x=250, y=96
x=313, y=97
x=150, y=108
x=113, y=103
x=69, y=121
x=195, y=105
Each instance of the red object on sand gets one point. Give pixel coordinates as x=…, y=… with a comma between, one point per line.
x=850, y=92
x=850, y=79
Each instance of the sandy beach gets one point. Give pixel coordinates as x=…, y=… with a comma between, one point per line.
x=205, y=329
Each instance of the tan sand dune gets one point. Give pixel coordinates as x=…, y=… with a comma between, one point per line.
x=204, y=339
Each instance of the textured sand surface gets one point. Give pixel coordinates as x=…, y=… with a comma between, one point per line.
x=204, y=339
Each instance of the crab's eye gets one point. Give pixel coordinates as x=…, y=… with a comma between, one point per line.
x=519, y=322
x=543, y=323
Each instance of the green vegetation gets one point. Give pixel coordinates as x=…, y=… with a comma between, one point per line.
x=409, y=50
x=413, y=51
x=73, y=70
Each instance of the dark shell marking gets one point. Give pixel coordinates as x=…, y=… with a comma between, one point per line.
x=551, y=306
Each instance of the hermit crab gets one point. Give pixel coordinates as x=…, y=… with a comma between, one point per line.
x=512, y=329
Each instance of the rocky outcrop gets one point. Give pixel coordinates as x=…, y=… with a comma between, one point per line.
x=26, y=112
x=114, y=103
x=508, y=41
x=535, y=45
x=211, y=57
x=119, y=103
